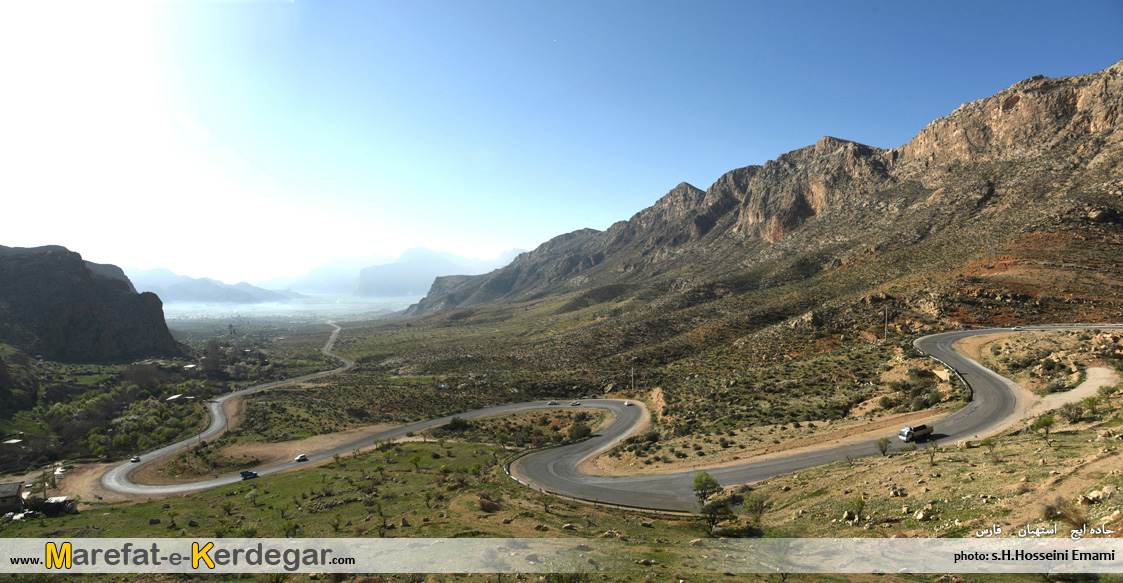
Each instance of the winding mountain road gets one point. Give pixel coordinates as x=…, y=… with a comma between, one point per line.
x=555, y=470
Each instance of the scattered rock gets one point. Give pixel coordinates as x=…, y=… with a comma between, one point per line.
x=153, y=521
x=696, y=542
x=922, y=516
x=569, y=527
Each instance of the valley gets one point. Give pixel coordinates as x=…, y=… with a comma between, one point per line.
x=733, y=362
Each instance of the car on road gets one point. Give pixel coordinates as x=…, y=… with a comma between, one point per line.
x=248, y=474
x=552, y=403
x=575, y=403
x=1016, y=328
x=627, y=403
x=136, y=458
x=301, y=458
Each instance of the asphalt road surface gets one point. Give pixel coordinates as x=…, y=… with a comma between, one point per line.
x=555, y=470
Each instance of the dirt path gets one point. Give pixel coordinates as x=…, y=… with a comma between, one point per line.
x=83, y=480
x=1098, y=376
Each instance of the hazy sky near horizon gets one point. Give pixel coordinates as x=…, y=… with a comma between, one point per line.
x=253, y=140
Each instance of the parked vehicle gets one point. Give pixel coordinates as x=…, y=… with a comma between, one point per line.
x=248, y=474
x=917, y=433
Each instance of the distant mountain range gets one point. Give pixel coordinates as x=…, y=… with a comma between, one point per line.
x=414, y=272
x=172, y=287
x=411, y=274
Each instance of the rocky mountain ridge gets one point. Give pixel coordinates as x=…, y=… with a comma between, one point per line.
x=1006, y=150
x=54, y=305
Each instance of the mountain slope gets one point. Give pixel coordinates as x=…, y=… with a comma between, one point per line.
x=1043, y=153
x=53, y=304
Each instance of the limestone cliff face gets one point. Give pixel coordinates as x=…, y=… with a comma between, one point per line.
x=1026, y=120
x=1070, y=123
x=807, y=182
x=53, y=305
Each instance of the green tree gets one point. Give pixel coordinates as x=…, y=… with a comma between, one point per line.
x=883, y=445
x=715, y=512
x=705, y=486
x=415, y=459
x=754, y=506
x=1043, y=423
x=1091, y=403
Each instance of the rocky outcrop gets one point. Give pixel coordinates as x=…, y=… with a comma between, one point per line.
x=807, y=182
x=1026, y=120
x=109, y=270
x=1070, y=122
x=52, y=304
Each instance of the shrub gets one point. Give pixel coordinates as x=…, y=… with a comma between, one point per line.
x=458, y=424
x=579, y=431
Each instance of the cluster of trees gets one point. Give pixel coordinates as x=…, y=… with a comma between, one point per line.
x=121, y=414
x=717, y=510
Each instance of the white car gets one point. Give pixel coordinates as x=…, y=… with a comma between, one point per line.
x=627, y=403
x=301, y=458
x=552, y=403
x=575, y=403
x=136, y=458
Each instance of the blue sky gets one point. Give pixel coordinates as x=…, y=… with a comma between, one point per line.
x=244, y=141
